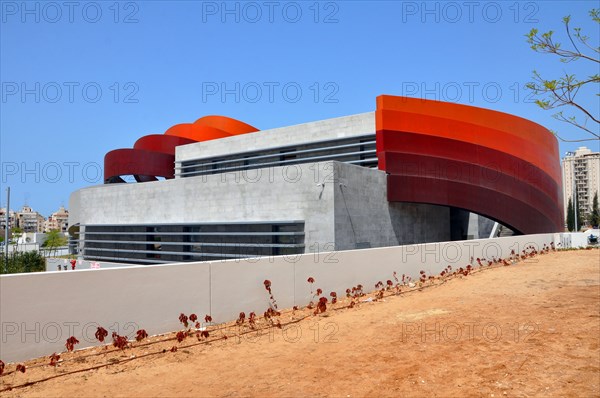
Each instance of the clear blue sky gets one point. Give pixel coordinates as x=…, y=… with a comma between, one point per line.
x=160, y=63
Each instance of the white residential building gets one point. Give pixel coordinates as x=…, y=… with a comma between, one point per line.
x=581, y=173
x=59, y=220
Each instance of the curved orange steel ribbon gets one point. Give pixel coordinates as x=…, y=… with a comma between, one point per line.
x=161, y=143
x=224, y=123
x=143, y=165
x=154, y=155
x=196, y=132
x=526, y=191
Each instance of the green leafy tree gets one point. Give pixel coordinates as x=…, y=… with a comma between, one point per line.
x=595, y=214
x=570, y=216
x=563, y=91
x=54, y=240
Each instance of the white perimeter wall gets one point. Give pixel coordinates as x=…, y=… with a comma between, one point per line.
x=52, y=264
x=38, y=312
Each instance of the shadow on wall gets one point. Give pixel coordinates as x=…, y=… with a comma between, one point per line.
x=415, y=223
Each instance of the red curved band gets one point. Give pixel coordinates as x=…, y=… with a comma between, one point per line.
x=153, y=155
x=491, y=163
x=144, y=165
x=161, y=143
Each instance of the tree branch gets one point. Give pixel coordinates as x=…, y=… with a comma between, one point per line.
x=582, y=109
x=559, y=116
x=582, y=140
x=569, y=34
x=563, y=91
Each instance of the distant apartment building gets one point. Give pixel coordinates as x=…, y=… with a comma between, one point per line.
x=581, y=174
x=29, y=220
x=11, y=219
x=59, y=220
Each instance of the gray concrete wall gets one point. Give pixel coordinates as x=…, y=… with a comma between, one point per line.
x=484, y=226
x=420, y=223
x=479, y=227
x=473, y=230
x=39, y=311
x=365, y=218
x=459, y=224
x=347, y=126
x=343, y=206
x=270, y=194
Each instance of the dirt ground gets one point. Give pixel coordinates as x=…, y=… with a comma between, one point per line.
x=529, y=329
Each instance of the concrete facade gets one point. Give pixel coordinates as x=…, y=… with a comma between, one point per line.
x=282, y=193
x=343, y=206
x=364, y=218
x=341, y=127
x=479, y=227
x=322, y=176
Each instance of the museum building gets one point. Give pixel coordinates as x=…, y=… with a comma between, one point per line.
x=412, y=171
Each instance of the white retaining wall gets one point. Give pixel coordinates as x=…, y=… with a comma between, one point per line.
x=38, y=312
x=22, y=247
x=574, y=239
x=35, y=247
x=52, y=264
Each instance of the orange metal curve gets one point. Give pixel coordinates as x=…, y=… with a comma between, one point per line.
x=438, y=136
x=497, y=130
x=153, y=155
x=224, y=123
x=196, y=132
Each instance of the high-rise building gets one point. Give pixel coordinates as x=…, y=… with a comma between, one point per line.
x=581, y=174
x=59, y=220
